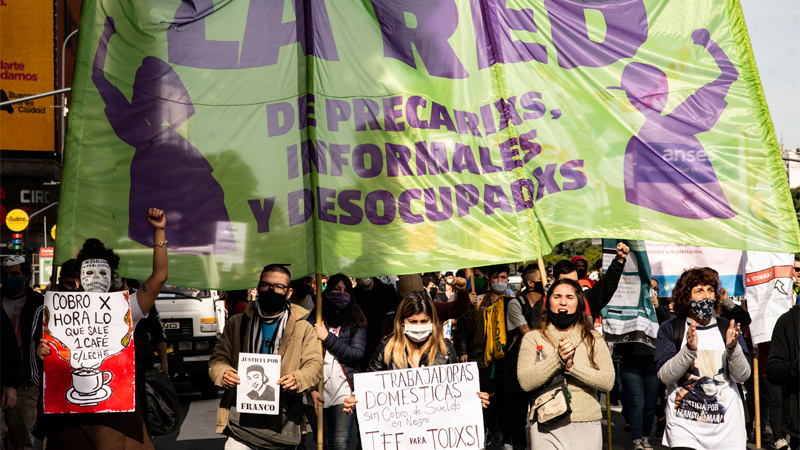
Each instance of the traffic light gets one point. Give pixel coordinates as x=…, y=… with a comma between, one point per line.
x=16, y=242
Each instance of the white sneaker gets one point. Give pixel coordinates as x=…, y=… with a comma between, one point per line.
x=781, y=444
x=646, y=443
x=637, y=445
x=507, y=447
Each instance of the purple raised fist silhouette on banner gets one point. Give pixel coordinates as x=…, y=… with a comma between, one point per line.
x=167, y=171
x=666, y=167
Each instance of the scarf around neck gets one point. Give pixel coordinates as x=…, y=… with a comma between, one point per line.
x=254, y=345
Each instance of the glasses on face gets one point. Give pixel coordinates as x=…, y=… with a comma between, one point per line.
x=265, y=286
x=797, y=269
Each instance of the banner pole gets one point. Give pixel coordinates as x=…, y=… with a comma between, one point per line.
x=319, y=388
x=757, y=400
x=471, y=277
x=543, y=274
x=608, y=418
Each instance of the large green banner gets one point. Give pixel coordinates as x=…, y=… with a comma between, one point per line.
x=384, y=136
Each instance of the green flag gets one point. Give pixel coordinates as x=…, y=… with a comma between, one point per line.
x=395, y=137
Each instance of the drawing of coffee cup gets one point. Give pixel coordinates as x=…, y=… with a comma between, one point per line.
x=87, y=380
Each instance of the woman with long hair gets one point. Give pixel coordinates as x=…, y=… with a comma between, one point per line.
x=701, y=357
x=417, y=340
x=569, y=345
x=343, y=335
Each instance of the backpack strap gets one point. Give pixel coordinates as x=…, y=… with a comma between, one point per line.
x=243, y=329
x=678, y=331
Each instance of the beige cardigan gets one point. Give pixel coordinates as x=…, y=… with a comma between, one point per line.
x=583, y=380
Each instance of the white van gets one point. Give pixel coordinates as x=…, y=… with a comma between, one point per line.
x=193, y=321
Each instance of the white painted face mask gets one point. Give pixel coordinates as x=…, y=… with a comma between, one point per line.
x=95, y=275
x=418, y=333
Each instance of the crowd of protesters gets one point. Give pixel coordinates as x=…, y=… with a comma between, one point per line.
x=693, y=389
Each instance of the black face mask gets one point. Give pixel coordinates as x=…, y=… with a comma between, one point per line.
x=434, y=290
x=562, y=320
x=301, y=290
x=270, y=301
x=581, y=273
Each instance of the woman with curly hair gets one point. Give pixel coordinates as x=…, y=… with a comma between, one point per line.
x=571, y=347
x=97, y=265
x=701, y=357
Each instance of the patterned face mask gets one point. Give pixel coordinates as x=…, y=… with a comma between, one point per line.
x=703, y=309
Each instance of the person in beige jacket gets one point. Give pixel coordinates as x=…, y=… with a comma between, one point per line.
x=270, y=325
x=570, y=345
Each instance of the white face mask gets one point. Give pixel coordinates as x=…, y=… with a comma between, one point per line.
x=95, y=275
x=418, y=333
x=363, y=282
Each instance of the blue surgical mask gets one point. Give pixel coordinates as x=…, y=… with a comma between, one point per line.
x=499, y=287
x=13, y=284
x=703, y=309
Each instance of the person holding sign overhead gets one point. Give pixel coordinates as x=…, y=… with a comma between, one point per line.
x=97, y=264
x=417, y=341
x=343, y=335
x=566, y=347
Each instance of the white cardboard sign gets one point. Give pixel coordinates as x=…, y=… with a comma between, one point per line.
x=258, y=391
x=433, y=407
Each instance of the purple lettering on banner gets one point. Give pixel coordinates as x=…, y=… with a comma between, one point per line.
x=493, y=22
x=371, y=207
x=467, y=196
x=265, y=33
x=434, y=162
x=531, y=148
x=440, y=116
x=493, y=198
x=325, y=204
x=520, y=203
x=412, y=104
x=626, y=31
x=432, y=211
x=291, y=161
x=304, y=108
x=527, y=102
x=336, y=111
x=404, y=206
x=346, y=203
x=397, y=159
x=437, y=20
x=360, y=163
x=262, y=213
x=391, y=114
x=508, y=112
x=464, y=159
x=569, y=170
x=186, y=39
x=488, y=119
x=507, y=154
x=486, y=161
x=280, y=118
x=365, y=113
x=546, y=180
x=337, y=160
x=296, y=215
x=467, y=122
x=315, y=155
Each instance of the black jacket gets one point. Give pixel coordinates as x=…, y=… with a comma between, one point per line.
x=783, y=365
x=32, y=302
x=10, y=362
x=377, y=364
x=600, y=294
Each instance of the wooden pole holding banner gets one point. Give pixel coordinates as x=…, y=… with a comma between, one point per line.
x=543, y=274
x=319, y=388
x=608, y=418
x=757, y=401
